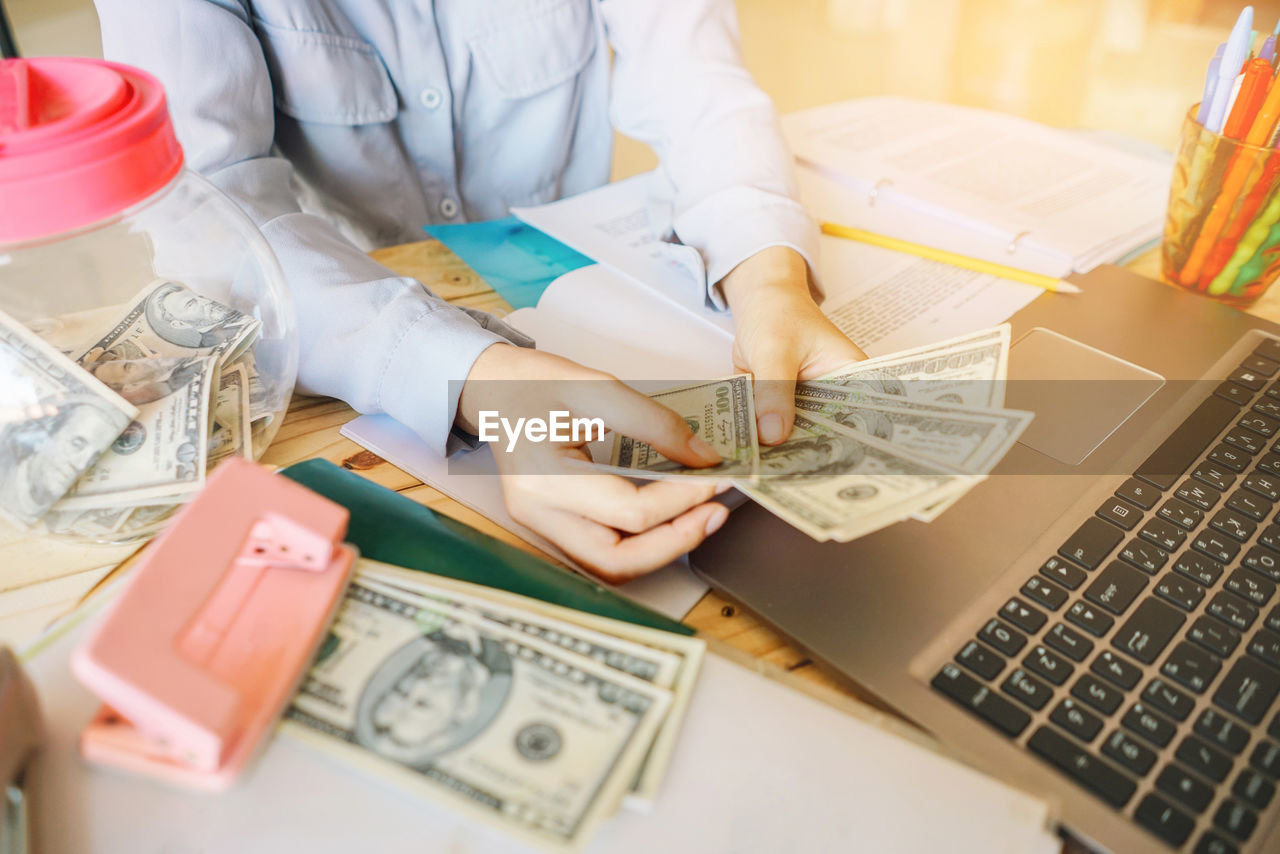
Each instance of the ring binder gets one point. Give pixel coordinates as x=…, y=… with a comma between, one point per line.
x=199, y=655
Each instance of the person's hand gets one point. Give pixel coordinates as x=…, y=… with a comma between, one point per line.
x=606, y=523
x=782, y=335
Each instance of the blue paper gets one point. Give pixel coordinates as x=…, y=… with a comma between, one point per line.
x=517, y=260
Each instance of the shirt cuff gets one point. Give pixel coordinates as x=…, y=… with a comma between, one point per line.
x=424, y=374
x=734, y=224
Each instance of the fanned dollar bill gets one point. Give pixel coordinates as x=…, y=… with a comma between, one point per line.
x=834, y=483
x=722, y=412
x=531, y=738
x=160, y=454
x=665, y=659
x=169, y=319
x=55, y=421
x=969, y=370
x=229, y=428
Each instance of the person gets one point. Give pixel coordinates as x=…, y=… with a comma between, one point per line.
x=181, y=316
x=343, y=125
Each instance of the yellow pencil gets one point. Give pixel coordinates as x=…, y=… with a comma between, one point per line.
x=1049, y=283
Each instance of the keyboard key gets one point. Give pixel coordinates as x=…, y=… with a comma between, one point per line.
x=1064, y=572
x=1260, y=424
x=1191, y=667
x=1121, y=513
x=1233, y=523
x=1199, y=567
x=1180, y=513
x=1138, y=493
x=1233, y=610
x=1146, y=556
x=980, y=660
x=1248, y=690
x=1269, y=408
x=1236, y=819
x=1115, y=669
x=1199, y=494
x=1047, y=663
x=1076, y=719
x=1231, y=457
x=1098, y=694
x=1246, y=440
x=1090, y=618
x=1168, y=699
x=1221, y=730
x=1180, y=591
x=1091, y=543
x=1260, y=365
x=1022, y=615
x=1253, y=788
x=1215, y=476
x=1148, y=630
x=1270, y=464
x=1237, y=394
x=1069, y=642
x=1274, y=729
x=1129, y=753
x=1146, y=723
x=1248, y=378
x=1254, y=506
x=1217, y=546
x=1273, y=619
x=1116, y=587
x=1250, y=585
x=1262, y=484
x=1265, y=645
x=1167, y=463
x=1213, y=843
x=973, y=695
x=1266, y=758
x=1183, y=787
x=1164, y=534
x=1086, y=769
x=1044, y=593
x=1214, y=635
x=1164, y=820
x=1027, y=689
x=1207, y=761
x=1269, y=348
x=1264, y=561
x=1270, y=537
x=1004, y=638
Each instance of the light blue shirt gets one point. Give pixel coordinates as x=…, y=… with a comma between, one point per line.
x=345, y=125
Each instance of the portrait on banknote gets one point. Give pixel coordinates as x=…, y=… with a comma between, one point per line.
x=142, y=381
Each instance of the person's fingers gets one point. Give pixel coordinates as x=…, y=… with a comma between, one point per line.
x=836, y=351
x=615, y=501
x=632, y=414
x=617, y=558
x=774, y=370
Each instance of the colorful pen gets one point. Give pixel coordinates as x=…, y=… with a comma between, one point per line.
x=1255, y=82
x=1210, y=83
x=1232, y=63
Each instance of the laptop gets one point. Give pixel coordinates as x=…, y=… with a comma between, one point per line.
x=1098, y=621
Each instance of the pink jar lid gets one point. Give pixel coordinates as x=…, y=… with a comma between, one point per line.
x=80, y=141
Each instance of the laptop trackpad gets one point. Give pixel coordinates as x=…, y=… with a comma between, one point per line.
x=1080, y=394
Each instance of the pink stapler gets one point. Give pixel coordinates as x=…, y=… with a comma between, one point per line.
x=198, y=657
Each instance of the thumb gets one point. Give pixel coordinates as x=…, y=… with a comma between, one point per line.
x=775, y=395
x=632, y=414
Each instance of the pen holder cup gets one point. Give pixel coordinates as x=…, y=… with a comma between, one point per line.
x=1222, y=229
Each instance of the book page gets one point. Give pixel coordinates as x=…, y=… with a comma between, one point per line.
x=1003, y=174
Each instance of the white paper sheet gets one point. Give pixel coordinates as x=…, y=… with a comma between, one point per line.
x=758, y=768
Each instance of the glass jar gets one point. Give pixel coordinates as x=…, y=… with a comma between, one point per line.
x=146, y=332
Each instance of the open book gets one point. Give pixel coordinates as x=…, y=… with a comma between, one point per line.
x=976, y=182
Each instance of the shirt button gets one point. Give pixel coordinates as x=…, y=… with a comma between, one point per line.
x=449, y=207
x=431, y=98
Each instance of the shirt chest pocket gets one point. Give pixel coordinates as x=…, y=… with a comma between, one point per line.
x=325, y=78
x=534, y=46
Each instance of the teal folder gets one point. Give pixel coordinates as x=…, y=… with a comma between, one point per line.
x=393, y=529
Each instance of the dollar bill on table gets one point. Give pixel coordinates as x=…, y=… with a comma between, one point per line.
x=721, y=412
x=229, y=428
x=170, y=319
x=530, y=738
x=969, y=370
x=834, y=483
x=161, y=453
x=55, y=422
x=666, y=659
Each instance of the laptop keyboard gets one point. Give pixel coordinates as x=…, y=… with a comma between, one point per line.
x=1143, y=659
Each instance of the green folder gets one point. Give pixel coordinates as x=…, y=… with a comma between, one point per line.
x=393, y=529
